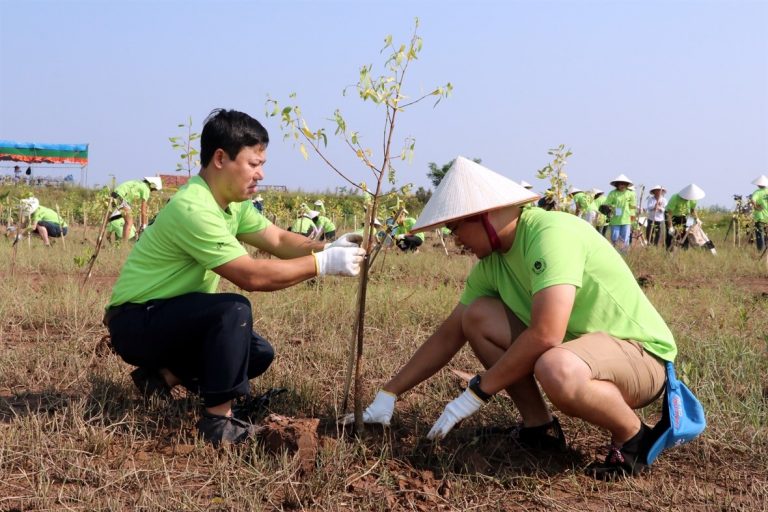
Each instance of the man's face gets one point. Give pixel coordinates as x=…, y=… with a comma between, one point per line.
x=621, y=187
x=244, y=172
x=470, y=233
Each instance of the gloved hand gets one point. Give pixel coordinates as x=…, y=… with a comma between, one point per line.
x=346, y=240
x=341, y=261
x=671, y=231
x=463, y=407
x=380, y=410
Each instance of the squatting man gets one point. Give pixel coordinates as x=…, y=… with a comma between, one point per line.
x=550, y=303
x=164, y=316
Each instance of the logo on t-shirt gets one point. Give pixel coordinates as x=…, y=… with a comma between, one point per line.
x=539, y=266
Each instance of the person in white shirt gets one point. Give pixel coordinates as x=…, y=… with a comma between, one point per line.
x=655, y=206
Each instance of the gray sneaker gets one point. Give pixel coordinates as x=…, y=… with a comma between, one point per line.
x=224, y=429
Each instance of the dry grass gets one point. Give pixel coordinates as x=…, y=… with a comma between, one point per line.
x=74, y=435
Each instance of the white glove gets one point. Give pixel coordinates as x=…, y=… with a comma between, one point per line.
x=347, y=240
x=341, y=261
x=671, y=231
x=380, y=410
x=463, y=407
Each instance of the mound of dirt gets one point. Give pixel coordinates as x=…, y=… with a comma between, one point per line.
x=295, y=435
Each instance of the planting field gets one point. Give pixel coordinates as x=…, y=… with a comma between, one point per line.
x=76, y=435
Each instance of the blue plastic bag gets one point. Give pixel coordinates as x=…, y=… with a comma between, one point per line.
x=682, y=417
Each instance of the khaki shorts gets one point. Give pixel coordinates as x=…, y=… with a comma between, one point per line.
x=639, y=375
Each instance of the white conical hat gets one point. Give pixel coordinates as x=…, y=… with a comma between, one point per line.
x=30, y=205
x=525, y=184
x=155, y=183
x=621, y=178
x=691, y=193
x=657, y=187
x=762, y=181
x=596, y=191
x=575, y=190
x=467, y=189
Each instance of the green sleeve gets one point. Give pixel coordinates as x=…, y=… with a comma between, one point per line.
x=479, y=283
x=555, y=256
x=250, y=220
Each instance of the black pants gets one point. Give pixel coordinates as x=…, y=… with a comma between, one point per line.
x=677, y=221
x=653, y=231
x=409, y=243
x=205, y=339
x=54, y=230
x=760, y=234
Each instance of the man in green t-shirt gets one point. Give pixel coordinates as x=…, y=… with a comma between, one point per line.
x=406, y=240
x=43, y=221
x=550, y=303
x=623, y=205
x=164, y=316
x=679, y=208
x=131, y=192
x=758, y=200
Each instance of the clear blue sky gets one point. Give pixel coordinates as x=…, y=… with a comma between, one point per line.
x=665, y=92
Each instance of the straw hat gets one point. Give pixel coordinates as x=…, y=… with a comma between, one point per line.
x=525, y=184
x=657, y=187
x=596, y=192
x=574, y=190
x=621, y=179
x=691, y=193
x=468, y=189
x=762, y=181
x=30, y=205
x=155, y=183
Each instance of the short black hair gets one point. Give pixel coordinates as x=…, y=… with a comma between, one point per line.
x=231, y=131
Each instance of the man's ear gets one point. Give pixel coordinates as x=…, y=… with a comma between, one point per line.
x=218, y=158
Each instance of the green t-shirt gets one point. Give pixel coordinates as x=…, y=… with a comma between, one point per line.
x=133, y=191
x=679, y=207
x=583, y=201
x=190, y=236
x=600, y=220
x=624, y=206
x=760, y=198
x=405, y=228
x=553, y=248
x=116, y=228
x=303, y=226
x=325, y=224
x=46, y=214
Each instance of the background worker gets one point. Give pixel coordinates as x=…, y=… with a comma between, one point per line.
x=623, y=205
x=326, y=225
x=549, y=303
x=164, y=315
x=601, y=219
x=405, y=240
x=581, y=200
x=679, y=207
x=128, y=193
x=115, y=228
x=258, y=203
x=304, y=225
x=655, y=206
x=759, y=211
x=43, y=221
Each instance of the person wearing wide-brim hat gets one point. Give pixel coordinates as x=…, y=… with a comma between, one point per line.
x=679, y=207
x=258, y=203
x=581, y=200
x=43, y=221
x=759, y=201
x=405, y=239
x=623, y=204
x=550, y=301
x=128, y=193
x=655, y=206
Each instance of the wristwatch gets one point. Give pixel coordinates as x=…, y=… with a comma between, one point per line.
x=474, y=386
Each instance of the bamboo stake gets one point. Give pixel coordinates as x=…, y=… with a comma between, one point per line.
x=16, y=241
x=99, y=240
x=85, y=222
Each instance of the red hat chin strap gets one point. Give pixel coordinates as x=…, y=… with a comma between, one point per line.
x=493, y=237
